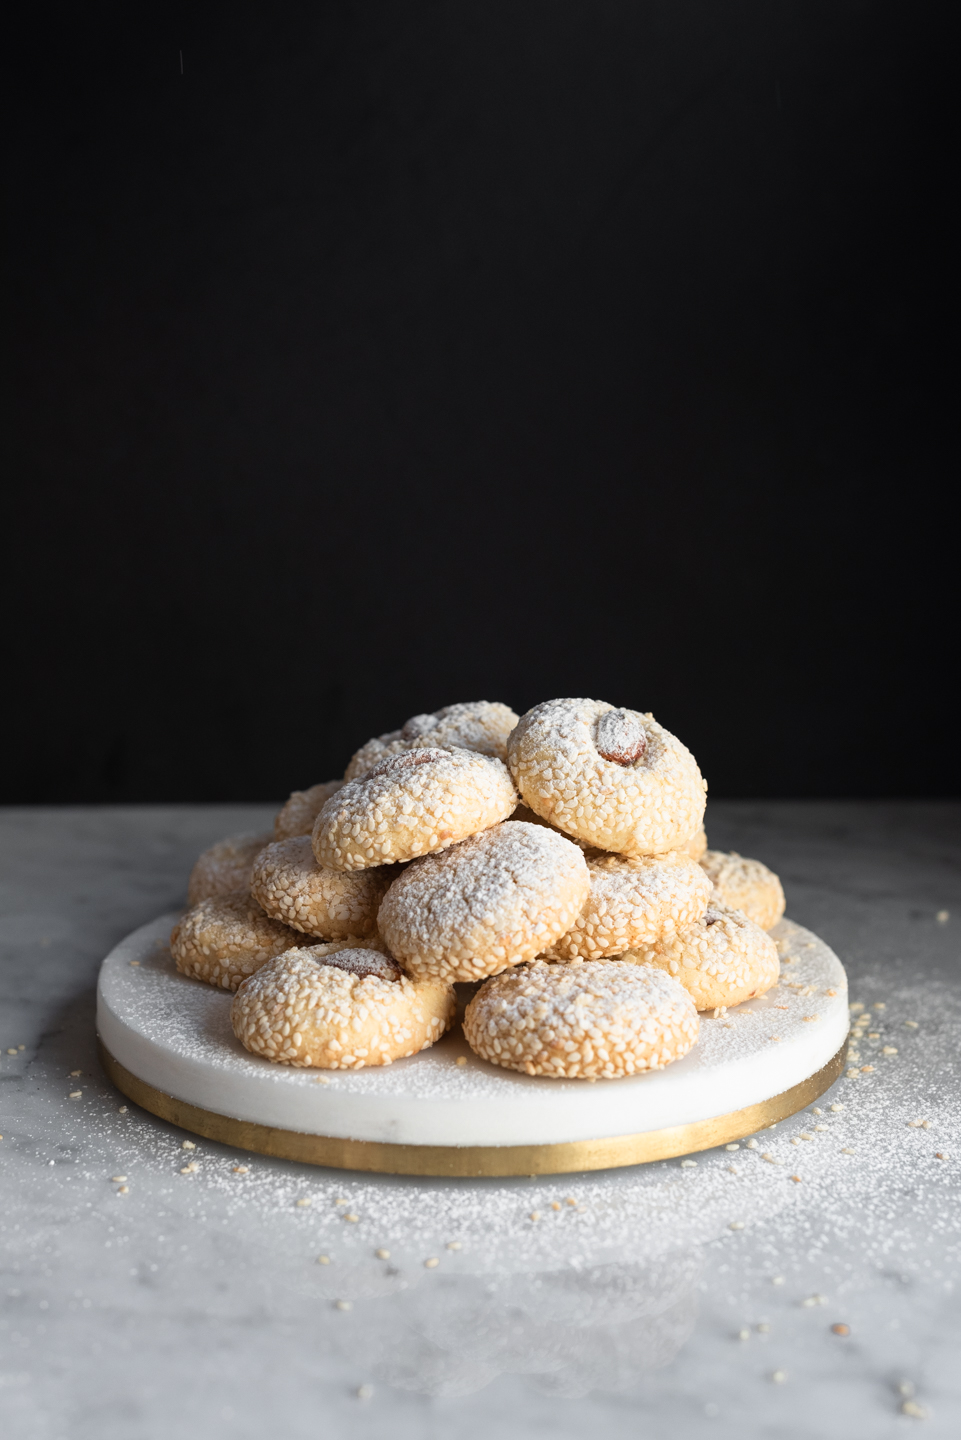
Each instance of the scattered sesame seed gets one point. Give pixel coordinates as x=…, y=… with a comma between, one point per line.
x=766, y=1155
x=432, y=1263
x=688, y=1164
x=364, y=1392
x=811, y=1017
x=853, y=1074
x=905, y=1388
x=816, y=1110
x=744, y=1334
x=342, y=1305
x=796, y=1179
x=732, y=1147
x=867, y=1069
x=352, y=1218
x=21, y=1047
x=124, y=1190
x=118, y=1179
x=122, y=1110
x=461, y=1060
x=340, y=1201
x=382, y=1254
x=190, y=1169
x=535, y=1215
x=750, y=1144
x=555, y=1204
x=135, y=963
x=889, y=1050
x=323, y=1259
x=764, y=1328
x=911, y=1024
x=941, y=1155
x=75, y=1073
x=918, y=1412
x=880, y=1005
x=302, y=1204
x=75, y=1094
x=241, y=1169
x=856, y=1008
x=795, y=1140
x=943, y=917
x=571, y=1200
x=774, y=1037
x=777, y=1279
x=736, y=1225
x=187, y=1145
x=731, y=1170
x=453, y=1245
x=840, y=1329
x=779, y=1377
x=837, y=1108
x=812, y=1300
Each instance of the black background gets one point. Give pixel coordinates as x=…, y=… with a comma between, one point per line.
x=398, y=354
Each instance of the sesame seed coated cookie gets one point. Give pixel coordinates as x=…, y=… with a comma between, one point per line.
x=500, y=898
x=591, y=1022
x=633, y=901
x=226, y=938
x=339, y=1009
x=413, y=803
x=723, y=959
x=297, y=816
x=481, y=725
x=613, y=778
x=225, y=867
x=289, y=885
x=745, y=885
x=696, y=846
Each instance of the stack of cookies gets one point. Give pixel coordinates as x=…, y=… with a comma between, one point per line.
x=554, y=866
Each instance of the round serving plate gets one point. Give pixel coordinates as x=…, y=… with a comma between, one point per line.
x=166, y=1042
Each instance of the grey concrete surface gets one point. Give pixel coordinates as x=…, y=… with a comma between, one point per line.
x=194, y=1303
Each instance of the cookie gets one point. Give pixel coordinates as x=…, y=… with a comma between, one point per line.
x=697, y=845
x=412, y=804
x=633, y=901
x=613, y=778
x=481, y=725
x=501, y=897
x=745, y=885
x=297, y=816
x=339, y=1009
x=226, y=938
x=225, y=867
x=590, y=1022
x=723, y=959
x=289, y=885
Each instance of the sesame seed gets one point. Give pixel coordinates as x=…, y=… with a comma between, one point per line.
x=744, y=1334
x=943, y=916
x=321, y=1080
x=555, y=1204
x=323, y=1259
x=811, y=1301
x=840, y=1329
x=118, y=1179
x=880, y=1005
x=688, y=1164
x=190, y=1169
x=571, y=1200
x=340, y=1201
x=364, y=1392
x=432, y=1263
x=187, y=1145
x=837, y=1108
x=732, y=1147
x=941, y=1155
x=779, y=1377
x=342, y=1305
x=461, y=1060
x=135, y=964
x=241, y=1169
x=777, y=1279
x=352, y=1218
x=905, y=1388
x=750, y=1144
x=911, y=1024
x=75, y=1094
x=122, y=1110
x=888, y=1050
x=848, y=1151
x=302, y=1204
x=764, y=1328
x=918, y=1412
x=796, y=1179
x=866, y=1069
x=535, y=1215
x=382, y=1254
x=75, y=1073
x=124, y=1190
x=736, y=1225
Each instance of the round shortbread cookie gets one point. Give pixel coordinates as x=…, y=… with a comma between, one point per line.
x=412, y=804
x=697, y=845
x=745, y=885
x=592, y=1022
x=613, y=778
x=297, y=816
x=633, y=901
x=481, y=725
x=499, y=898
x=339, y=1009
x=723, y=959
x=225, y=938
x=289, y=885
x=225, y=867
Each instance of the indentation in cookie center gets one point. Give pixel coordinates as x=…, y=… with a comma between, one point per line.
x=620, y=737
x=402, y=762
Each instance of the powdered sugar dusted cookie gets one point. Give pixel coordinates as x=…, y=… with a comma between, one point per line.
x=412, y=804
x=225, y=867
x=745, y=885
x=226, y=938
x=339, y=1009
x=633, y=901
x=290, y=886
x=723, y=959
x=498, y=899
x=299, y=813
x=613, y=778
x=597, y=1021
x=481, y=725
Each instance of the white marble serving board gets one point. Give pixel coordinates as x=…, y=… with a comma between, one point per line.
x=175, y=1034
